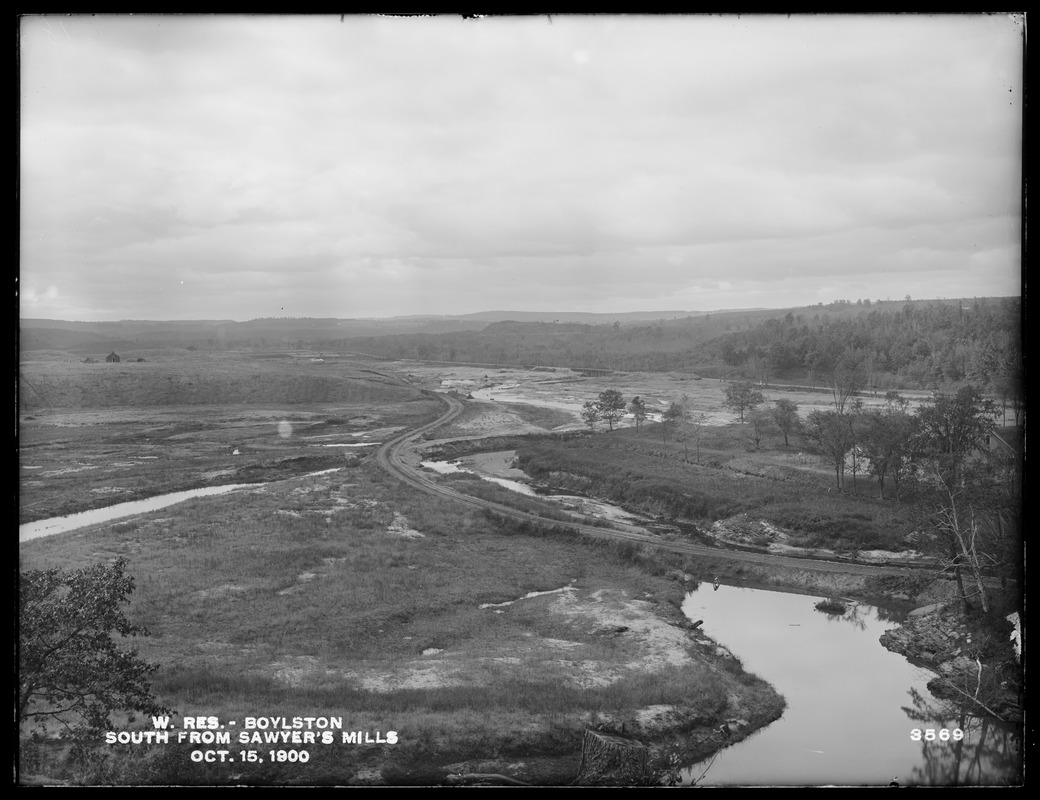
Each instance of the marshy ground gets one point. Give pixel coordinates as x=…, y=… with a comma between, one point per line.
x=487, y=647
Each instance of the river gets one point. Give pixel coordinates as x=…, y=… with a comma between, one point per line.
x=852, y=706
x=493, y=467
x=131, y=508
x=857, y=714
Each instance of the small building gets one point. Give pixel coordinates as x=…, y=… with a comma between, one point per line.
x=112, y=358
x=1007, y=444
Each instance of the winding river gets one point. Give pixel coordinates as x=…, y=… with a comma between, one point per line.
x=852, y=706
x=856, y=713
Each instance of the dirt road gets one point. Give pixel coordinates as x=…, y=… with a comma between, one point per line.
x=399, y=459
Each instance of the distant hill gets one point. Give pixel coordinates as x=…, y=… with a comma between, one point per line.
x=89, y=338
x=754, y=341
x=583, y=317
x=70, y=340
x=202, y=379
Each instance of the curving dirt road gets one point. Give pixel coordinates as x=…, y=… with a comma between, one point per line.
x=392, y=456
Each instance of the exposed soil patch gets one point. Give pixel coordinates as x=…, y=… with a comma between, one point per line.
x=401, y=527
x=644, y=641
x=743, y=530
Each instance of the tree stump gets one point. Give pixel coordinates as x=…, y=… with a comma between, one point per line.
x=609, y=759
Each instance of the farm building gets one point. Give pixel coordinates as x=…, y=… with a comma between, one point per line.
x=112, y=358
x=1007, y=444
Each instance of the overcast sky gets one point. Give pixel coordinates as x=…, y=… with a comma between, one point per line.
x=234, y=167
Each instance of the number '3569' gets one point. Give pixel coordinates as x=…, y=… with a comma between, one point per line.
x=933, y=734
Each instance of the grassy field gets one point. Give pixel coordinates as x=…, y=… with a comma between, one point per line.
x=95, y=434
x=780, y=485
x=486, y=646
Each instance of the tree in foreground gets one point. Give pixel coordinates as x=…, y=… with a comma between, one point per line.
x=742, y=397
x=960, y=531
x=973, y=496
x=72, y=671
x=611, y=406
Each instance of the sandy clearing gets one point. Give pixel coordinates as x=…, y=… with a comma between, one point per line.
x=566, y=390
x=652, y=644
x=400, y=527
x=498, y=464
x=662, y=644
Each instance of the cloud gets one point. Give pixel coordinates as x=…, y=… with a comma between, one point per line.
x=445, y=166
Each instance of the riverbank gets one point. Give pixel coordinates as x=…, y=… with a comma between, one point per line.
x=974, y=659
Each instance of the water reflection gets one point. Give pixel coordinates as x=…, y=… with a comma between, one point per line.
x=854, y=615
x=989, y=748
x=851, y=704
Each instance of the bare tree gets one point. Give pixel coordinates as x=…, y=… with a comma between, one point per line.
x=690, y=428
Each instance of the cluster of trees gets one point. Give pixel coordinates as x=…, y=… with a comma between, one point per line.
x=608, y=407
x=743, y=398
x=664, y=345
x=909, y=344
x=973, y=497
x=920, y=345
x=941, y=450
x=677, y=420
x=891, y=442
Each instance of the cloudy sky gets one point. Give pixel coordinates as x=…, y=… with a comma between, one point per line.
x=212, y=167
